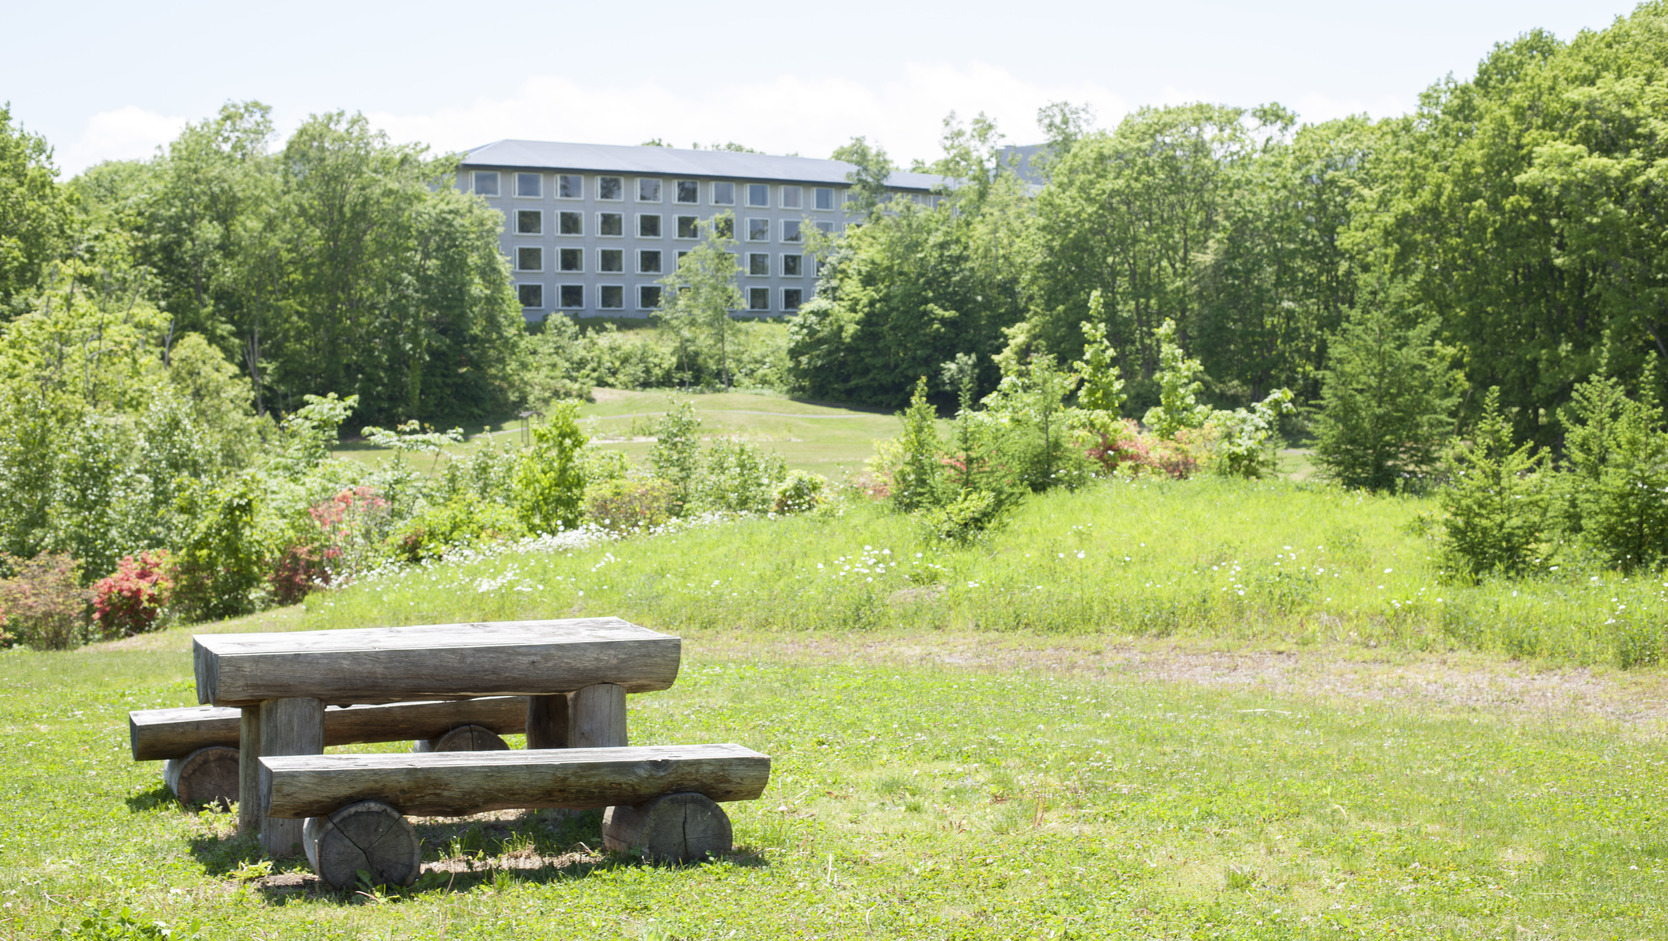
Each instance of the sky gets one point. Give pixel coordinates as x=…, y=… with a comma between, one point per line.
x=120, y=79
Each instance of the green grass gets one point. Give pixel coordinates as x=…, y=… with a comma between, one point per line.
x=823, y=439
x=911, y=798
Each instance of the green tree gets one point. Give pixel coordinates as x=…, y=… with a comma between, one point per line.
x=1495, y=502
x=675, y=454
x=918, y=477
x=33, y=216
x=701, y=294
x=1178, y=379
x=871, y=172
x=1387, y=401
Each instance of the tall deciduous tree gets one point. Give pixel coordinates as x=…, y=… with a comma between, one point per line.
x=699, y=297
x=32, y=214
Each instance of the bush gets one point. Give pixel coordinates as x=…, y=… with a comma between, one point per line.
x=964, y=518
x=802, y=492
x=1127, y=450
x=43, y=604
x=1619, y=475
x=549, y=481
x=1495, y=500
x=300, y=569
x=916, y=478
x=739, y=476
x=464, y=521
x=220, y=568
x=131, y=600
x=676, y=452
x=624, y=506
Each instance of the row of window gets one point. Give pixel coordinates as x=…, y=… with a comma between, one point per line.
x=612, y=297
x=649, y=190
x=649, y=261
x=612, y=225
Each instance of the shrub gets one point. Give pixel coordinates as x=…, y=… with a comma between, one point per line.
x=1618, y=486
x=43, y=604
x=676, y=452
x=549, y=481
x=622, y=506
x=739, y=476
x=964, y=518
x=1128, y=450
x=349, y=525
x=131, y=600
x=220, y=567
x=300, y=569
x=802, y=492
x=465, y=520
x=916, y=477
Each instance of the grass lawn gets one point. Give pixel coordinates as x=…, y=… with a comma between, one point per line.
x=823, y=439
x=1203, y=710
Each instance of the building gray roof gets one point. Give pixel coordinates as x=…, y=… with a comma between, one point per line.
x=673, y=161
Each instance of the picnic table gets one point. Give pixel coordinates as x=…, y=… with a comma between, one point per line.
x=575, y=672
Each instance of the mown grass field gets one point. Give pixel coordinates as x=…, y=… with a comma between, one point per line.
x=823, y=439
x=1161, y=710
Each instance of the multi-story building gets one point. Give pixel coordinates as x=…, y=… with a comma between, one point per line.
x=590, y=229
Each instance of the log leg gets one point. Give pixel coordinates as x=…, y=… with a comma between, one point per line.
x=207, y=775
x=547, y=721
x=599, y=717
x=288, y=727
x=367, y=836
x=464, y=738
x=675, y=828
x=249, y=771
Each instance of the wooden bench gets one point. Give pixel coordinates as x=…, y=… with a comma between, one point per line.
x=660, y=799
x=198, y=745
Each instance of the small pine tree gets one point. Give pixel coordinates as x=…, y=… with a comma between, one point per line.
x=1387, y=402
x=1617, y=497
x=1495, y=501
x=918, y=479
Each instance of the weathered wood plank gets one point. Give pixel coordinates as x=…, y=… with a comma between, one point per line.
x=293, y=726
x=548, y=721
x=157, y=734
x=463, y=738
x=207, y=775
x=436, y=661
x=459, y=783
x=249, y=770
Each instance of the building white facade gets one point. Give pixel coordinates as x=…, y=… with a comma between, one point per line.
x=590, y=229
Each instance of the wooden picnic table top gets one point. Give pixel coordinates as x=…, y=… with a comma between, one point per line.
x=433, y=661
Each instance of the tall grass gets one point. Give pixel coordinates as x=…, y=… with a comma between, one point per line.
x=1210, y=557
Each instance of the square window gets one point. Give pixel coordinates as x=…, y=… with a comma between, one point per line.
x=648, y=191
x=723, y=194
x=758, y=194
x=724, y=227
x=791, y=196
x=573, y=296
x=823, y=197
x=532, y=295
x=648, y=297
x=570, y=223
x=758, y=264
x=680, y=257
x=825, y=227
x=611, y=223
x=792, y=298
x=758, y=230
x=529, y=258
x=793, y=266
x=611, y=260
x=758, y=298
x=529, y=184
x=611, y=297
x=610, y=187
x=648, y=261
x=529, y=222
x=486, y=182
x=570, y=186
x=648, y=225
x=688, y=191
x=571, y=259
x=790, y=230
x=689, y=227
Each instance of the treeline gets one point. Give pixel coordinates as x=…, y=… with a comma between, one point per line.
x=1518, y=214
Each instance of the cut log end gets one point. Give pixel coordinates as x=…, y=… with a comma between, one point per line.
x=206, y=776
x=464, y=738
x=675, y=828
x=368, y=837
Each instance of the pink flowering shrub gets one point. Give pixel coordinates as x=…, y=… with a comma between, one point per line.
x=131, y=600
x=1128, y=450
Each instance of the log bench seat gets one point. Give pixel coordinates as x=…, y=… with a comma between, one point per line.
x=660, y=799
x=198, y=745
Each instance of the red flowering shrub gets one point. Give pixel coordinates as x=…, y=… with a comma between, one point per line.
x=1132, y=451
x=130, y=601
x=300, y=569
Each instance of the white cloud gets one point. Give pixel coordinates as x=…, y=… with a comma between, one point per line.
x=779, y=114
x=129, y=133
